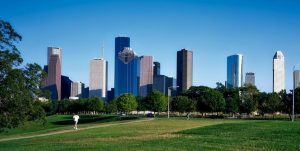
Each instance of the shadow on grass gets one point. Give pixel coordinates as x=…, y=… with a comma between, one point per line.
x=93, y=119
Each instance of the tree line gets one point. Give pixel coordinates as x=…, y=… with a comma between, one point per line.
x=201, y=99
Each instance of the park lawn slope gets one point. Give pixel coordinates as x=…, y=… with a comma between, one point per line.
x=61, y=122
x=176, y=134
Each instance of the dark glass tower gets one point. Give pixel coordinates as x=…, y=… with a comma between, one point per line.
x=156, y=68
x=127, y=68
x=184, y=70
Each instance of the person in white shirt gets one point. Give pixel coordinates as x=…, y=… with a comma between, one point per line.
x=76, y=118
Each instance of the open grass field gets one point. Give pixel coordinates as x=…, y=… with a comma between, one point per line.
x=158, y=134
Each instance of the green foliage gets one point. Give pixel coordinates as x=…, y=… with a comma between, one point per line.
x=297, y=100
x=231, y=96
x=142, y=104
x=249, y=99
x=182, y=104
x=262, y=103
x=126, y=103
x=273, y=103
x=95, y=104
x=156, y=102
x=208, y=99
x=19, y=87
x=111, y=107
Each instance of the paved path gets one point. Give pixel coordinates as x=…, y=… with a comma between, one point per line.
x=70, y=130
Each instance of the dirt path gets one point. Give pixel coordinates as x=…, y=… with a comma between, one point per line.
x=70, y=130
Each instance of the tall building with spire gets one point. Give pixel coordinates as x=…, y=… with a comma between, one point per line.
x=184, y=70
x=278, y=72
x=127, y=68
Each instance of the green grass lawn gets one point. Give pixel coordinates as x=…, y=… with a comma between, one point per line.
x=169, y=134
x=60, y=122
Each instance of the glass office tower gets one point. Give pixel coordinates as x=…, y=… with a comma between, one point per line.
x=234, y=71
x=127, y=68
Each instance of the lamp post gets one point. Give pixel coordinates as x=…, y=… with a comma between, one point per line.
x=169, y=93
x=293, y=107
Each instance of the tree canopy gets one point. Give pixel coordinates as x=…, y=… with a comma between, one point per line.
x=19, y=87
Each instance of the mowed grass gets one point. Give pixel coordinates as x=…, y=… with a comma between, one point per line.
x=61, y=122
x=172, y=134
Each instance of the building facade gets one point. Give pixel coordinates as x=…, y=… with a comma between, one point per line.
x=156, y=68
x=161, y=83
x=65, y=87
x=127, y=66
x=146, y=75
x=98, y=78
x=184, y=70
x=250, y=78
x=234, y=71
x=77, y=89
x=297, y=78
x=53, y=80
x=278, y=72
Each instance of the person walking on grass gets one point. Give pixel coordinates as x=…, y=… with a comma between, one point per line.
x=76, y=118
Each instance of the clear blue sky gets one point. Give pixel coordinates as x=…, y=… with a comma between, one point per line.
x=212, y=29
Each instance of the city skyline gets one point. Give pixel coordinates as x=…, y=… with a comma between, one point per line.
x=211, y=30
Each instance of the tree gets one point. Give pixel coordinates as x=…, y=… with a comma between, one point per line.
x=297, y=100
x=95, y=104
x=249, y=96
x=262, y=103
x=126, y=103
x=207, y=99
x=141, y=103
x=19, y=87
x=231, y=96
x=111, y=107
x=182, y=104
x=286, y=99
x=273, y=103
x=156, y=102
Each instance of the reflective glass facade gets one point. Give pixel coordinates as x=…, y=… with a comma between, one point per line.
x=127, y=68
x=235, y=71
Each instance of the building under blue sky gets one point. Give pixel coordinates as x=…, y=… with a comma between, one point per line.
x=212, y=29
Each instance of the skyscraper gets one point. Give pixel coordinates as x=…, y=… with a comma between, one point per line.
x=162, y=82
x=98, y=78
x=146, y=75
x=65, y=87
x=127, y=66
x=297, y=78
x=54, y=51
x=184, y=70
x=156, y=68
x=53, y=80
x=250, y=79
x=234, y=71
x=76, y=89
x=278, y=72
